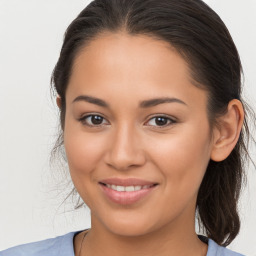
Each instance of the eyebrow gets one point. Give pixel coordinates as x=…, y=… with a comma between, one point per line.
x=143, y=104
x=157, y=101
x=92, y=100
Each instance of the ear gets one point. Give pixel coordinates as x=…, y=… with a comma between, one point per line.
x=226, y=133
x=58, y=101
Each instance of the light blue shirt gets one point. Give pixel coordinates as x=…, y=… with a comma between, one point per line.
x=63, y=246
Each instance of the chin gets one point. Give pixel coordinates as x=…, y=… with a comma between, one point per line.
x=130, y=226
x=129, y=230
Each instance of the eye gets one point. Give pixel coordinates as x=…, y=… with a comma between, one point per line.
x=93, y=120
x=160, y=121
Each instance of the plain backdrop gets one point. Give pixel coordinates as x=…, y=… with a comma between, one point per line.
x=31, y=33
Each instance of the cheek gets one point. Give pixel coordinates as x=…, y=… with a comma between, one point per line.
x=84, y=150
x=183, y=159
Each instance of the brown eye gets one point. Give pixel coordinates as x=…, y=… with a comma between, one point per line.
x=160, y=121
x=96, y=120
x=93, y=120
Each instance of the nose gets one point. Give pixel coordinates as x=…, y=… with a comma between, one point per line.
x=125, y=149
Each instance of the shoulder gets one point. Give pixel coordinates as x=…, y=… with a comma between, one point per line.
x=216, y=250
x=61, y=245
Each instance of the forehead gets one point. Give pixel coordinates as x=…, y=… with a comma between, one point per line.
x=124, y=64
x=129, y=54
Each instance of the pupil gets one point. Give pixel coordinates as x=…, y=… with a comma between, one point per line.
x=96, y=119
x=161, y=121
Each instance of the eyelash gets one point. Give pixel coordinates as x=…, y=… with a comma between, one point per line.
x=170, y=121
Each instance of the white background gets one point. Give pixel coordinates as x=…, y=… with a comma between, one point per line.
x=31, y=34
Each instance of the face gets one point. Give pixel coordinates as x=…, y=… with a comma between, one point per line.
x=136, y=134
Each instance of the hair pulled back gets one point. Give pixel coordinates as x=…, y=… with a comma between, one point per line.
x=203, y=40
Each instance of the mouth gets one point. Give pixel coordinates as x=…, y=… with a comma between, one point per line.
x=131, y=188
x=126, y=191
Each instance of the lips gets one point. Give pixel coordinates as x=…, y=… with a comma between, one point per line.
x=126, y=191
x=127, y=188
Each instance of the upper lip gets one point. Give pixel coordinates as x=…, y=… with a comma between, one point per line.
x=127, y=182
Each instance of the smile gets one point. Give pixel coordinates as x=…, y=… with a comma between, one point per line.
x=126, y=191
x=128, y=188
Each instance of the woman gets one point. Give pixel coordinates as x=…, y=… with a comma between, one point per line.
x=154, y=129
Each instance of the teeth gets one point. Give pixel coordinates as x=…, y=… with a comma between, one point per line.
x=136, y=188
x=120, y=188
x=128, y=188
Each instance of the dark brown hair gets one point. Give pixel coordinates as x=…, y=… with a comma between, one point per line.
x=203, y=40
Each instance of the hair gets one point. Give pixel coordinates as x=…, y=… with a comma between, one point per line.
x=199, y=35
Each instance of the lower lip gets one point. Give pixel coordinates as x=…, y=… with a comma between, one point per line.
x=126, y=197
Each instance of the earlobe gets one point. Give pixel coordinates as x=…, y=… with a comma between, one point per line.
x=58, y=101
x=228, y=131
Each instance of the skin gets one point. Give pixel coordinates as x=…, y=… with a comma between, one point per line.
x=124, y=70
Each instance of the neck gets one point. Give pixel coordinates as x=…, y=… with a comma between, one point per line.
x=165, y=241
